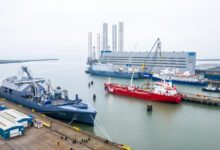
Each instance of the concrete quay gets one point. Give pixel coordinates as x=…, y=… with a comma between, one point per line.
x=55, y=135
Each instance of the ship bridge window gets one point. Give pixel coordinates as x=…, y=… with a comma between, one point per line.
x=6, y=90
x=10, y=91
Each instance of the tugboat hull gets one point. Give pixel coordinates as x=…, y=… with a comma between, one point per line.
x=141, y=94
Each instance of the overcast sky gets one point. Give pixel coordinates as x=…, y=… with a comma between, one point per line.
x=52, y=27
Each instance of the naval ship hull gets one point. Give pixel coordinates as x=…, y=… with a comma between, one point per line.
x=115, y=74
x=55, y=111
x=196, y=83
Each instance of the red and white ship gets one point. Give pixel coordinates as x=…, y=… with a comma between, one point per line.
x=160, y=92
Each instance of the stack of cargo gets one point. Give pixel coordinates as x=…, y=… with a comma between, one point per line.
x=12, y=123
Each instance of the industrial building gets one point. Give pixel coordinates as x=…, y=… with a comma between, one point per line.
x=93, y=52
x=114, y=38
x=16, y=116
x=121, y=37
x=184, y=61
x=210, y=71
x=117, y=41
x=98, y=45
x=9, y=128
x=105, y=36
x=90, y=45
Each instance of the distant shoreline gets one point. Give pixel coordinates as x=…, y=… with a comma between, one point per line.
x=28, y=60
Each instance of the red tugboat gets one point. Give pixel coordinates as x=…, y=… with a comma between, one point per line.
x=161, y=92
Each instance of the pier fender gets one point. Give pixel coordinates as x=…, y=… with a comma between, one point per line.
x=94, y=97
x=76, y=128
x=125, y=147
x=43, y=122
x=149, y=107
x=43, y=115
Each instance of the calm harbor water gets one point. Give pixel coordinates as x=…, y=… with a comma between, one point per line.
x=124, y=120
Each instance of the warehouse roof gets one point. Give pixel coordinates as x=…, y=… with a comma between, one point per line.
x=14, y=114
x=7, y=124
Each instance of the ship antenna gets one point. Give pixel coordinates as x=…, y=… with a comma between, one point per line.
x=131, y=82
x=109, y=80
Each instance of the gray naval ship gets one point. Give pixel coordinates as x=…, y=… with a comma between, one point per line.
x=38, y=94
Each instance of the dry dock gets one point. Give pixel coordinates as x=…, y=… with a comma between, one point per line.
x=202, y=99
x=55, y=136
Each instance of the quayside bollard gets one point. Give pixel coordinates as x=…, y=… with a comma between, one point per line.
x=94, y=97
x=149, y=107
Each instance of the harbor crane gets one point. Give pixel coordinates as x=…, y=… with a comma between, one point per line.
x=157, y=47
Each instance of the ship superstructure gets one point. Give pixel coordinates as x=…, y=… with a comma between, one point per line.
x=175, y=76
